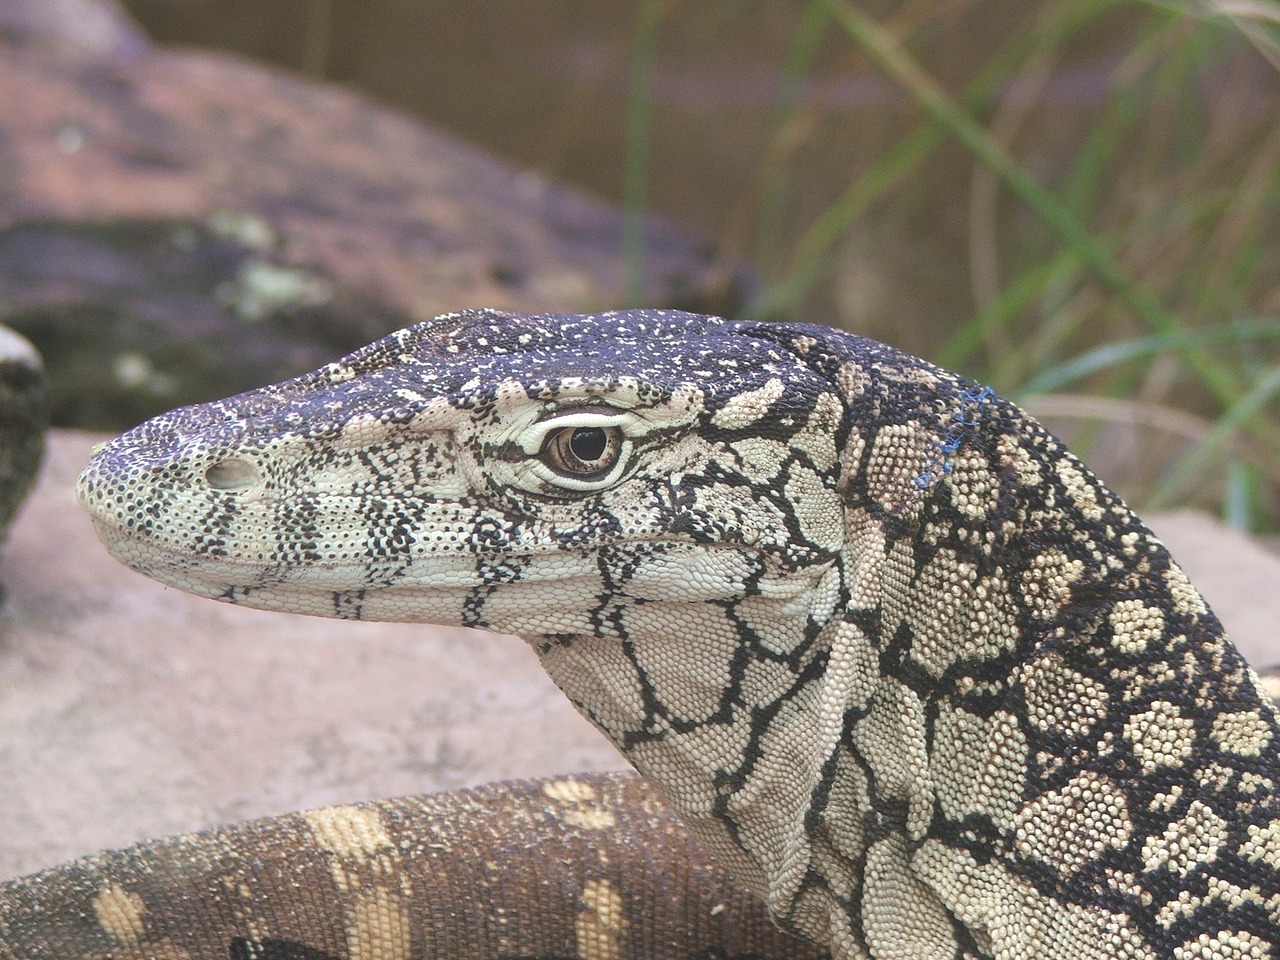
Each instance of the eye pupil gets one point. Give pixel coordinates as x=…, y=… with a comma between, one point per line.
x=588, y=443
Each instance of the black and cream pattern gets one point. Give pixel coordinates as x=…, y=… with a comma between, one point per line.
x=898, y=659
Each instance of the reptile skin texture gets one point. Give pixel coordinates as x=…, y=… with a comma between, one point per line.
x=897, y=659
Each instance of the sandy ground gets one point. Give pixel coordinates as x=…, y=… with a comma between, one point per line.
x=128, y=709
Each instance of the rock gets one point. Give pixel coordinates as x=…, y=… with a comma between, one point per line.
x=179, y=225
x=98, y=26
x=23, y=419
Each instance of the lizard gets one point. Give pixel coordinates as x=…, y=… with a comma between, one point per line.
x=899, y=661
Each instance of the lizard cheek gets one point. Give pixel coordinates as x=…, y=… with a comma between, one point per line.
x=233, y=473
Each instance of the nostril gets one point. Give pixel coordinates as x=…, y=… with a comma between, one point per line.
x=232, y=473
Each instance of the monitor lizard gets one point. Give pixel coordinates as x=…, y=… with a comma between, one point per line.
x=896, y=658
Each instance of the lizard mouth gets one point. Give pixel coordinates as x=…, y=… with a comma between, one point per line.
x=553, y=593
x=451, y=591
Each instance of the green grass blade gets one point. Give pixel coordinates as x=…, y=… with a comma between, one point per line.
x=796, y=67
x=886, y=54
x=807, y=263
x=1201, y=459
x=1112, y=354
x=635, y=183
x=811, y=252
x=1015, y=299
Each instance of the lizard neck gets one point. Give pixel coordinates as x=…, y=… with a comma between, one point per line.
x=734, y=717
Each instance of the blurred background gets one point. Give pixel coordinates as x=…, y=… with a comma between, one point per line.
x=1075, y=201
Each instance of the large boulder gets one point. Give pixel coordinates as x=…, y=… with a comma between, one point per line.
x=99, y=26
x=178, y=225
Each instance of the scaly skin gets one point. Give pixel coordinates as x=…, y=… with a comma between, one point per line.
x=900, y=661
x=593, y=867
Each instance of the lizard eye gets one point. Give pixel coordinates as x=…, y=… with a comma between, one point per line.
x=586, y=453
x=578, y=449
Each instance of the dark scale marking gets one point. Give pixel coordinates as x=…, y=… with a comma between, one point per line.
x=218, y=524
x=242, y=948
x=349, y=605
x=296, y=533
x=375, y=471
x=473, y=607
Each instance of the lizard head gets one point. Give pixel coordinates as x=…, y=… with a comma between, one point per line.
x=541, y=475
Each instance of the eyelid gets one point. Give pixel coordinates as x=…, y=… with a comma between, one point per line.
x=532, y=440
